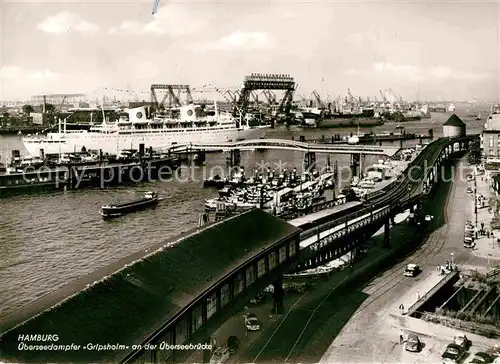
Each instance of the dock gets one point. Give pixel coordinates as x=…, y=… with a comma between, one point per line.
x=62, y=178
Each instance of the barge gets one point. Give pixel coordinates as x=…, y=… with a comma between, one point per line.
x=150, y=199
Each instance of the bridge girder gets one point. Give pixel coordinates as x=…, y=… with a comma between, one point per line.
x=258, y=81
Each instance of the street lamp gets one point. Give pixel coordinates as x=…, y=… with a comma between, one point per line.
x=475, y=194
x=452, y=255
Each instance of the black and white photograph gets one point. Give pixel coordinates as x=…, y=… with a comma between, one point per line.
x=268, y=181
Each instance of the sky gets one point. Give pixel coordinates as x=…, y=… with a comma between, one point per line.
x=434, y=50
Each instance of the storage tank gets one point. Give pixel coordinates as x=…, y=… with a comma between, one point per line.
x=454, y=127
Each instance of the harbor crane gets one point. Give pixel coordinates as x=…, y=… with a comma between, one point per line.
x=319, y=102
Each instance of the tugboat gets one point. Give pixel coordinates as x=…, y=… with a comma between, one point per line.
x=149, y=199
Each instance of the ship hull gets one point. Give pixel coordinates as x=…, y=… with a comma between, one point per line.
x=346, y=122
x=118, y=210
x=56, y=143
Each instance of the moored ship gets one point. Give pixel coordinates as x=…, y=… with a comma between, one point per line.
x=183, y=125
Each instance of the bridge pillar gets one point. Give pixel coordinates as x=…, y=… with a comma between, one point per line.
x=278, y=294
x=200, y=157
x=234, y=157
x=309, y=160
x=355, y=162
x=387, y=234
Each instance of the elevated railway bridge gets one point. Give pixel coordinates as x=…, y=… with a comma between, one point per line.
x=285, y=144
x=182, y=290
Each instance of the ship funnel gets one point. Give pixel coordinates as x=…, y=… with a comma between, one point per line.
x=188, y=113
x=137, y=114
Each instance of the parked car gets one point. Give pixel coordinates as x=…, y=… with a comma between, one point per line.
x=412, y=270
x=252, y=322
x=233, y=343
x=453, y=354
x=469, y=190
x=463, y=341
x=258, y=299
x=220, y=356
x=412, y=343
x=482, y=358
x=469, y=243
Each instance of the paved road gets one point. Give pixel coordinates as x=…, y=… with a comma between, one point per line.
x=369, y=336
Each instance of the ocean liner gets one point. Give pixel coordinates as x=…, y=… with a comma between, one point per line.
x=183, y=125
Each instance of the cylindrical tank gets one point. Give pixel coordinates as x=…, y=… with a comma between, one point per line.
x=454, y=127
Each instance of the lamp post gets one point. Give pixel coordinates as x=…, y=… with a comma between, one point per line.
x=452, y=255
x=475, y=195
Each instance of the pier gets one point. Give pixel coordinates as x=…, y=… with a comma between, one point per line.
x=69, y=176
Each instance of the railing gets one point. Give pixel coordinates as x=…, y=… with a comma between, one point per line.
x=493, y=273
x=347, y=229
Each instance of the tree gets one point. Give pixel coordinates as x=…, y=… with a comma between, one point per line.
x=50, y=108
x=28, y=109
x=474, y=156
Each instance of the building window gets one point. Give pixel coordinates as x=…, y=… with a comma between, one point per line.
x=492, y=153
x=291, y=248
x=250, y=275
x=225, y=295
x=196, y=318
x=491, y=142
x=211, y=305
x=238, y=284
x=272, y=261
x=282, y=252
x=261, y=267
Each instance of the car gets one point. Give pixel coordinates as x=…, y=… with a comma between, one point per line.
x=412, y=270
x=220, y=355
x=470, y=177
x=469, y=190
x=469, y=243
x=463, y=341
x=252, y=322
x=453, y=353
x=482, y=358
x=233, y=343
x=258, y=299
x=412, y=343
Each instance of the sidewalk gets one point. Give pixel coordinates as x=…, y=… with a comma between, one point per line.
x=486, y=247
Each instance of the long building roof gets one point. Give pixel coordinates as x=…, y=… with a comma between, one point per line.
x=131, y=304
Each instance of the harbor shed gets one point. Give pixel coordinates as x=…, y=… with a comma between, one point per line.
x=173, y=295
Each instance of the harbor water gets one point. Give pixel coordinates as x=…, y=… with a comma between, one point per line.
x=50, y=240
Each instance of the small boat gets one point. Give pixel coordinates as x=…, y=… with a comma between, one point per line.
x=149, y=199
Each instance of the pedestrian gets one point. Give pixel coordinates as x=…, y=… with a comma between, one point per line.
x=402, y=308
x=418, y=296
x=401, y=337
